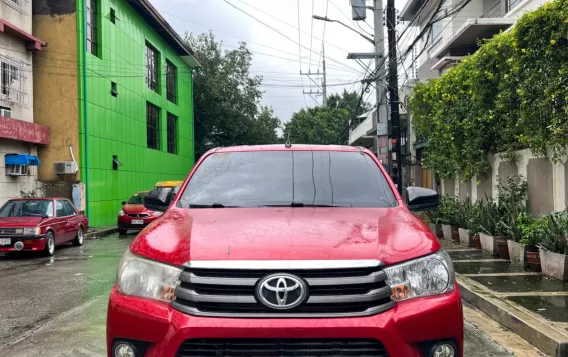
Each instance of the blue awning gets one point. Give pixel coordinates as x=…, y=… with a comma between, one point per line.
x=22, y=159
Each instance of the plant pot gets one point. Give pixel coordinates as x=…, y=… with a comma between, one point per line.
x=488, y=244
x=503, y=249
x=535, y=267
x=554, y=264
x=476, y=241
x=447, y=231
x=438, y=230
x=465, y=238
x=455, y=234
x=517, y=252
x=533, y=257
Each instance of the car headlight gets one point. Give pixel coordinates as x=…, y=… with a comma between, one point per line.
x=157, y=213
x=31, y=231
x=146, y=278
x=121, y=213
x=430, y=275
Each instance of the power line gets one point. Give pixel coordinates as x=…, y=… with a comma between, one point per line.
x=300, y=49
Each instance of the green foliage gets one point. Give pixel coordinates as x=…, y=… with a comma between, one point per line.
x=489, y=217
x=448, y=209
x=556, y=233
x=325, y=124
x=227, y=98
x=533, y=231
x=510, y=94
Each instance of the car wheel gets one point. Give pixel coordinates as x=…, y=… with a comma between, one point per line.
x=49, y=244
x=78, y=241
x=122, y=232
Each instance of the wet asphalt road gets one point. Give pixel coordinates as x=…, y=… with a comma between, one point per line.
x=56, y=307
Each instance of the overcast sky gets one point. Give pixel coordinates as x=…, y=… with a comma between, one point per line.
x=276, y=54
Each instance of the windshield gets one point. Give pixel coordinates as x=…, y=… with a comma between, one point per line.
x=137, y=199
x=253, y=179
x=27, y=208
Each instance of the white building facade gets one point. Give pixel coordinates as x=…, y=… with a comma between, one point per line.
x=19, y=135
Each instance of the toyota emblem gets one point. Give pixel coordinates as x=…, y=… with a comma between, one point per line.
x=281, y=291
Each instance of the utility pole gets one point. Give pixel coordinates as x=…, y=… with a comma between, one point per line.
x=380, y=140
x=323, y=85
x=393, y=94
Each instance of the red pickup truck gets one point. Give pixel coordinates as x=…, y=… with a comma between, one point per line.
x=287, y=251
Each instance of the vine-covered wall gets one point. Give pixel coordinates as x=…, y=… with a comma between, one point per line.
x=511, y=94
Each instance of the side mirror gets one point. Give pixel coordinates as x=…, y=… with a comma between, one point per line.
x=156, y=200
x=421, y=199
x=123, y=203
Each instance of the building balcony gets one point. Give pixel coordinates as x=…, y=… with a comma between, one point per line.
x=362, y=134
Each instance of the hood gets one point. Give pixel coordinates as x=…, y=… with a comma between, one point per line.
x=391, y=235
x=19, y=222
x=130, y=208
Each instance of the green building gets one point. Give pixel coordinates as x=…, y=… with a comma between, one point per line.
x=115, y=87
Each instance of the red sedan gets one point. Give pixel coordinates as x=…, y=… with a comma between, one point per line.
x=134, y=216
x=39, y=224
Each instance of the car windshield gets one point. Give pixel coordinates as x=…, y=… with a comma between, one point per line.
x=288, y=178
x=27, y=208
x=137, y=199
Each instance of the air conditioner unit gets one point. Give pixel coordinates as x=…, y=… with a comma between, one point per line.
x=6, y=113
x=17, y=170
x=64, y=168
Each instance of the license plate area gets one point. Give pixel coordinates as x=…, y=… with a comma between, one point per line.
x=5, y=241
x=137, y=221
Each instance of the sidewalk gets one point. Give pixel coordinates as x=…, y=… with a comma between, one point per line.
x=529, y=304
x=99, y=232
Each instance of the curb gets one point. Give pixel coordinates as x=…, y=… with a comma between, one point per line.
x=531, y=328
x=101, y=234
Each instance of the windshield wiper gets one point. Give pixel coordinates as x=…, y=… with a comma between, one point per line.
x=213, y=205
x=302, y=204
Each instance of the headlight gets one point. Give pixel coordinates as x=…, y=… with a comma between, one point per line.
x=121, y=213
x=31, y=231
x=430, y=275
x=157, y=213
x=146, y=278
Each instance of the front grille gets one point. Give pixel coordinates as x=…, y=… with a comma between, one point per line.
x=282, y=348
x=331, y=292
x=8, y=231
x=138, y=215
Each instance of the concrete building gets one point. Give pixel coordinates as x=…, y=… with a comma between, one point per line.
x=117, y=97
x=444, y=45
x=19, y=135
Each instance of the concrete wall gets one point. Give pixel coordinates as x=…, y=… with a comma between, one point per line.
x=11, y=186
x=55, y=22
x=17, y=15
x=547, y=185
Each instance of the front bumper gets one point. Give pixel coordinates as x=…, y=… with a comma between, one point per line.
x=401, y=329
x=31, y=243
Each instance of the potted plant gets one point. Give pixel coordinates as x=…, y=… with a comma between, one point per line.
x=524, y=235
x=447, y=210
x=489, y=218
x=435, y=222
x=553, y=248
x=465, y=221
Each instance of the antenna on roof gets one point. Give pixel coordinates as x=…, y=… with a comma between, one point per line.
x=288, y=144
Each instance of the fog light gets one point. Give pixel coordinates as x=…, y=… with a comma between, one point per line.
x=18, y=245
x=443, y=350
x=124, y=350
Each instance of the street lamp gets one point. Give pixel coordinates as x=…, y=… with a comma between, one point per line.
x=322, y=18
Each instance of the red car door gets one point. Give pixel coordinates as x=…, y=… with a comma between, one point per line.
x=74, y=220
x=60, y=225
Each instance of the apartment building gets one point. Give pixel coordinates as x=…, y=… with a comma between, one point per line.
x=118, y=100
x=19, y=135
x=464, y=23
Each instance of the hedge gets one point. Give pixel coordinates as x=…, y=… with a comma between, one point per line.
x=511, y=94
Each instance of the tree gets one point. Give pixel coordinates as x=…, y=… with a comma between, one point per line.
x=318, y=125
x=227, y=98
x=326, y=124
x=350, y=102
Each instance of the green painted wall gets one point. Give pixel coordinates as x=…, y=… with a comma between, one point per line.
x=117, y=125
